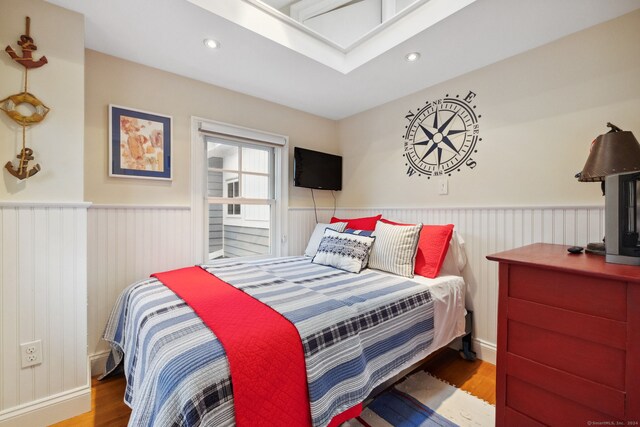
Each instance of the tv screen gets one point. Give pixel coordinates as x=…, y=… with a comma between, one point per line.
x=313, y=169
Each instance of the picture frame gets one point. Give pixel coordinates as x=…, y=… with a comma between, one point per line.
x=140, y=144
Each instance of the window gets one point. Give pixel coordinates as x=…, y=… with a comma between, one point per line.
x=245, y=173
x=259, y=162
x=233, y=190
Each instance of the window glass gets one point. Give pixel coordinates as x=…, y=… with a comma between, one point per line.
x=240, y=189
x=228, y=155
x=255, y=160
x=234, y=237
x=255, y=187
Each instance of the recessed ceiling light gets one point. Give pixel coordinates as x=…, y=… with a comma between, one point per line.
x=210, y=43
x=412, y=57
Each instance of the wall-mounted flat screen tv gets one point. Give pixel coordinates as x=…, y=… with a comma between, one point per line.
x=313, y=169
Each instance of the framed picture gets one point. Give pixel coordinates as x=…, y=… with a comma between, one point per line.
x=140, y=144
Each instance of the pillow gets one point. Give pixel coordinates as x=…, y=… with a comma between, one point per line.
x=347, y=252
x=395, y=248
x=366, y=223
x=358, y=232
x=386, y=221
x=432, y=248
x=456, y=259
x=318, y=232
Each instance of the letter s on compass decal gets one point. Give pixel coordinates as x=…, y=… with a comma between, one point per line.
x=441, y=137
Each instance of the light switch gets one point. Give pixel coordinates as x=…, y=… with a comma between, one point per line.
x=443, y=186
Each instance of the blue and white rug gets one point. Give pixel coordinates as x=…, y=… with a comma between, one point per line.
x=423, y=400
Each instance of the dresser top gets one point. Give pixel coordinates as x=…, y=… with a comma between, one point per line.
x=556, y=257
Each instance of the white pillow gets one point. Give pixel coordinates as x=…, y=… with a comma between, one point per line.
x=395, y=248
x=456, y=258
x=348, y=252
x=318, y=232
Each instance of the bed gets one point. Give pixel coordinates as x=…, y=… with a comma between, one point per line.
x=379, y=323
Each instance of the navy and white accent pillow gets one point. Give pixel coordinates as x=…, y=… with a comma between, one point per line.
x=344, y=251
x=358, y=232
x=395, y=248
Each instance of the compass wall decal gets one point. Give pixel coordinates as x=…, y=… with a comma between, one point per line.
x=441, y=136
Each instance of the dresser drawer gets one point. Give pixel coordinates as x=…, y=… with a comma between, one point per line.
x=549, y=408
x=595, y=362
x=584, y=294
x=571, y=387
x=515, y=418
x=612, y=333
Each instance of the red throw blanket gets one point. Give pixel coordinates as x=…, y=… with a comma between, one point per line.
x=266, y=359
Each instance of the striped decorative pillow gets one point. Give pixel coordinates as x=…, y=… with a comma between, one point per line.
x=395, y=248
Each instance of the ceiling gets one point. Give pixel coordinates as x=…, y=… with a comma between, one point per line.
x=341, y=34
x=344, y=24
x=169, y=34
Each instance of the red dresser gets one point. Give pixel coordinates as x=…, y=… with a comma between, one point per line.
x=568, y=339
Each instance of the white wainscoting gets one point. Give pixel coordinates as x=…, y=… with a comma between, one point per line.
x=485, y=231
x=43, y=296
x=126, y=244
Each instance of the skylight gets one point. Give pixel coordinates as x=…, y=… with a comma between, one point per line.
x=342, y=22
x=341, y=34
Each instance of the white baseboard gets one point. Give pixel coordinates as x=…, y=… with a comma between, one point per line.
x=49, y=410
x=484, y=350
x=97, y=362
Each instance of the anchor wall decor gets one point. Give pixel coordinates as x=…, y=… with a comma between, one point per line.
x=10, y=104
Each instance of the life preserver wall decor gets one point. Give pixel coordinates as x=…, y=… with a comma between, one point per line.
x=441, y=136
x=9, y=105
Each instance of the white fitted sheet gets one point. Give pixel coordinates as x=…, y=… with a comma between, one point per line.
x=448, y=293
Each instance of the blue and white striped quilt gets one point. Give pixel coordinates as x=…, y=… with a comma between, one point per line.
x=357, y=331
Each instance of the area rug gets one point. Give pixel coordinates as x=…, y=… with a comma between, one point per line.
x=423, y=400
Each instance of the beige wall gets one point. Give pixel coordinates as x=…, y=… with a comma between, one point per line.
x=110, y=80
x=57, y=142
x=540, y=111
x=43, y=287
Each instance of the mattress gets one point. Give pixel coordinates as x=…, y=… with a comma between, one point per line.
x=176, y=369
x=448, y=294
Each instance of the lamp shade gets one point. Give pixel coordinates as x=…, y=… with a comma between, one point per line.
x=614, y=152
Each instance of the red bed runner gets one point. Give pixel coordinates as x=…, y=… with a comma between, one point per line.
x=264, y=350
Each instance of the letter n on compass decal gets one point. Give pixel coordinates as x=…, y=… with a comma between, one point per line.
x=441, y=136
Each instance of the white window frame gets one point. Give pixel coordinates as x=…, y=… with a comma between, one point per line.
x=200, y=128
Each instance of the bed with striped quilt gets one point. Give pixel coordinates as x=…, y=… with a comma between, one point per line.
x=357, y=331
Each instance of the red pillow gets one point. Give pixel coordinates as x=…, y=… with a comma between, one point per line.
x=432, y=248
x=367, y=223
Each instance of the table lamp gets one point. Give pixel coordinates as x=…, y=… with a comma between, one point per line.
x=616, y=151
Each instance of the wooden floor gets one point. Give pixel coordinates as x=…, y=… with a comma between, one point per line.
x=108, y=408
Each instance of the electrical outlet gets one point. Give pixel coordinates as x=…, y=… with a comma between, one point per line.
x=31, y=353
x=443, y=186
